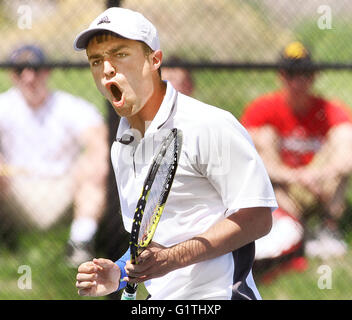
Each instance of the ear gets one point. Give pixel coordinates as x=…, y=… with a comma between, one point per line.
x=47, y=72
x=13, y=76
x=157, y=59
x=282, y=76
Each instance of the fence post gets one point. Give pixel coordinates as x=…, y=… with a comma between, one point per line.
x=112, y=239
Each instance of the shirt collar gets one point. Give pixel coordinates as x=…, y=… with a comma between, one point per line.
x=126, y=135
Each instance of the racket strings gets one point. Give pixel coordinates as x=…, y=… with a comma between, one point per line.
x=158, y=189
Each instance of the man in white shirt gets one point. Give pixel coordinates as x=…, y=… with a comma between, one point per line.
x=53, y=153
x=221, y=198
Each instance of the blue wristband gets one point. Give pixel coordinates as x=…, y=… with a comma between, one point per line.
x=121, y=264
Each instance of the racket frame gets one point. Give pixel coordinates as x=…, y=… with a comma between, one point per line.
x=137, y=247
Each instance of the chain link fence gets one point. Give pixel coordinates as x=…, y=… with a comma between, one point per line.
x=231, y=48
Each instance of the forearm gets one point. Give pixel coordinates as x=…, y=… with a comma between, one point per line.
x=279, y=173
x=91, y=173
x=339, y=164
x=90, y=194
x=241, y=228
x=332, y=160
x=89, y=199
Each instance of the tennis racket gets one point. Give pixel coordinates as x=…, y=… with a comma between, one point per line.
x=152, y=201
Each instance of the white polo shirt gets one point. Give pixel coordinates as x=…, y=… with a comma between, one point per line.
x=219, y=173
x=44, y=142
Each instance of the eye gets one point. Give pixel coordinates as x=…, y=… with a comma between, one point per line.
x=96, y=62
x=121, y=54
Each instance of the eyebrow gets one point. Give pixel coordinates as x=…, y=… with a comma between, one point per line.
x=111, y=51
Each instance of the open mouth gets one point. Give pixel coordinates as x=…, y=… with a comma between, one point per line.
x=116, y=92
x=116, y=95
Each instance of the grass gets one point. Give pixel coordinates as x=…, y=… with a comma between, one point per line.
x=43, y=253
x=314, y=283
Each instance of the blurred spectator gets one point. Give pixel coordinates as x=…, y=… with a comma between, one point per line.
x=180, y=78
x=304, y=140
x=53, y=157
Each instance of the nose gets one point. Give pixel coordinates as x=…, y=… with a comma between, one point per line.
x=28, y=75
x=109, y=69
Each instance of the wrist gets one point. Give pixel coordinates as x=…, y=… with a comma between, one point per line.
x=121, y=284
x=121, y=263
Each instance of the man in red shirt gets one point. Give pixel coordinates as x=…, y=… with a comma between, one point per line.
x=304, y=141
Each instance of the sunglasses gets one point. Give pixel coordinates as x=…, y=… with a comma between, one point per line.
x=296, y=73
x=19, y=70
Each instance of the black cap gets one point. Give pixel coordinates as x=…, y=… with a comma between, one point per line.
x=28, y=55
x=295, y=57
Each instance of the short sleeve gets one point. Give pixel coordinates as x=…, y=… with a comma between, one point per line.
x=228, y=158
x=255, y=114
x=267, y=109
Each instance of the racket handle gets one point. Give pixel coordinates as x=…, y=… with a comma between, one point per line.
x=128, y=296
x=129, y=293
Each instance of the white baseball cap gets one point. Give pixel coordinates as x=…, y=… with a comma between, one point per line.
x=125, y=23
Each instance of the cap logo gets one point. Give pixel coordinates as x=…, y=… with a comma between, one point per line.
x=104, y=19
x=295, y=50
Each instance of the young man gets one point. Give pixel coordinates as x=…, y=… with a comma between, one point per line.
x=54, y=154
x=303, y=139
x=221, y=198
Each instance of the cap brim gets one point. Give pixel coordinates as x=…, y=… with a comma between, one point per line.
x=83, y=38
x=297, y=65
